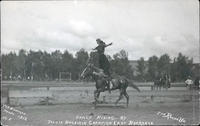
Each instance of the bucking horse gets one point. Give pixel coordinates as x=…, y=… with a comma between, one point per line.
x=101, y=81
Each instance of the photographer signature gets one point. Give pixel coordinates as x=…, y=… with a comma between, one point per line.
x=170, y=116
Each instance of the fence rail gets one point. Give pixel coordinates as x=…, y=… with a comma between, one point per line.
x=71, y=83
x=9, y=86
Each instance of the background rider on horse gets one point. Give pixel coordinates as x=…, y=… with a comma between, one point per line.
x=103, y=61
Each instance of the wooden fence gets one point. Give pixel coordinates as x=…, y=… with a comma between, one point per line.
x=9, y=86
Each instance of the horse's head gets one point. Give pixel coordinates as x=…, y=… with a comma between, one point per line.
x=87, y=71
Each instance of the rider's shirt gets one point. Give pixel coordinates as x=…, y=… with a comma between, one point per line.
x=103, y=61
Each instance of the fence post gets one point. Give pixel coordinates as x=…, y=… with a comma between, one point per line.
x=8, y=97
x=47, y=102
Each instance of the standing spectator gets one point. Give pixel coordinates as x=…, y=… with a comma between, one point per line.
x=197, y=83
x=189, y=82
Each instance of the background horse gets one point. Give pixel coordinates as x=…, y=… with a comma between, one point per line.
x=157, y=84
x=163, y=81
x=119, y=82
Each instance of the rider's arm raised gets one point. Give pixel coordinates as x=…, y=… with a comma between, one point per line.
x=108, y=44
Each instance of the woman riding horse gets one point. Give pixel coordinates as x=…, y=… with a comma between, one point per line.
x=99, y=77
x=103, y=61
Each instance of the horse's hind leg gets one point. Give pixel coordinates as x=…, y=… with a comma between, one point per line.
x=96, y=97
x=98, y=94
x=127, y=98
x=120, y=97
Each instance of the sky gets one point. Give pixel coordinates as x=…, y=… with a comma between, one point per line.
x=141, y=27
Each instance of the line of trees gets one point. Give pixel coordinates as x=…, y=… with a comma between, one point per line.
x=178, y=69
x=41, y=65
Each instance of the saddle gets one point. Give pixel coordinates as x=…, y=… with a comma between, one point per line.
x=101, y=74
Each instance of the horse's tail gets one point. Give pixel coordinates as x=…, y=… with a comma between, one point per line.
x=130, y=83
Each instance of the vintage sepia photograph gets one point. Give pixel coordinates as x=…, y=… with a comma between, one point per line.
x=100, y=62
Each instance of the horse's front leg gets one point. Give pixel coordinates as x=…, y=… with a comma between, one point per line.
x=96, y=95
x=95, y=98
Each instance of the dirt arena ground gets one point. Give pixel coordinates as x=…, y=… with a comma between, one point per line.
x=77, y=114
x=179, y=107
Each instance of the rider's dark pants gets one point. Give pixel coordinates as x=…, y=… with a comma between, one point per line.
x=104, y=64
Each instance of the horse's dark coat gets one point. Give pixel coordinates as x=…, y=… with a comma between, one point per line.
x=119, y=82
